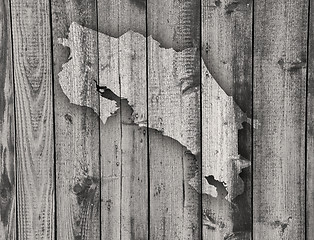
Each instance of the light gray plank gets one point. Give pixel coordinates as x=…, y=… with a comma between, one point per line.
x=174, y=119
x=34, y=119
x=280, y=55
x=226, y=122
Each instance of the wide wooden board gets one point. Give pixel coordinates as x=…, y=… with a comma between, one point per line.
x=226, y=119
x=34, y=119
x=76, y=127
x=124, y=137
x=174, y=114
x=280, y=55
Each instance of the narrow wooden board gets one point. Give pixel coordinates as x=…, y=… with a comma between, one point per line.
x=7, y=129
x=134, y=169
x=310, y=130
x=77, y=127
x=174, y=119
x=226, y=119
x=280, y=55
x=124, y=137
x=34, y=119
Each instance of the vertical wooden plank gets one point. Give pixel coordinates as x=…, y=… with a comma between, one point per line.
x=77, y=127
x=34, y=119
x=134, y=168
x=174, y=118
x=226, y=122
x=310, y=128
x=280, y=55
x=111, y=178
x=110, y=145
x=124, y=137
x=7, y=129
x=227, y=47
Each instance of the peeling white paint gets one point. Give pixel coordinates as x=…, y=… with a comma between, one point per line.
x=221, y=116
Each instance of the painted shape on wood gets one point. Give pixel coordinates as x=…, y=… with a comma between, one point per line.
x=7, y=132
x=174, y=110
x=172, y=15
x=222, y=119
x=223, y=167
x=226, y=46
x=226, y=123
x=159, y=99
x=136, y=92
x=124, y=176
x=134, y=152
x=124, y=75
x=137, y=107
x=279, y=105
x=76, y=128
x=174, y=203
x=34, y=119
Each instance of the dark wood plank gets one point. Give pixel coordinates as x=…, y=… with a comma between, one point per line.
x=226, y=123
x=77, y=127
x=124, y=137
x=174, y=119
x=280, y=55
x=34, y=119
x=7, y=129
x=310, y=129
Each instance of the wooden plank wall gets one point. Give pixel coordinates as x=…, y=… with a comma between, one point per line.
x=156, y=119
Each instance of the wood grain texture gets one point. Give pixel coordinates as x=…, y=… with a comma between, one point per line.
x=77, y=127
x=174, y=111
x=7, y=126
x=226, y=46
x=226, y=124
x=124, y=139
x=175, y=204
x=134, y=169
x=124, y=181
x=34, y=119
x=310, y=129
x=111, y=179
x=280, y=55
x=169, y=32
x=110, y=145
x=226, y=175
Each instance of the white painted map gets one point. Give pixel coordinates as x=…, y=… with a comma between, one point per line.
x=174, y=112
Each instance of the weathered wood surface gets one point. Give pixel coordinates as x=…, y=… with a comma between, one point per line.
x=174, y=111
x=280, y=55
x=125, y=172
x=160, y=146
x=7, y=129
x=76, y=127
x=226, y=124
x=310, y=129
x=134, y=169
x=34, y=119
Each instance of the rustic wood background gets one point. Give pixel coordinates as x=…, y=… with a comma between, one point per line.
x=200, y=124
